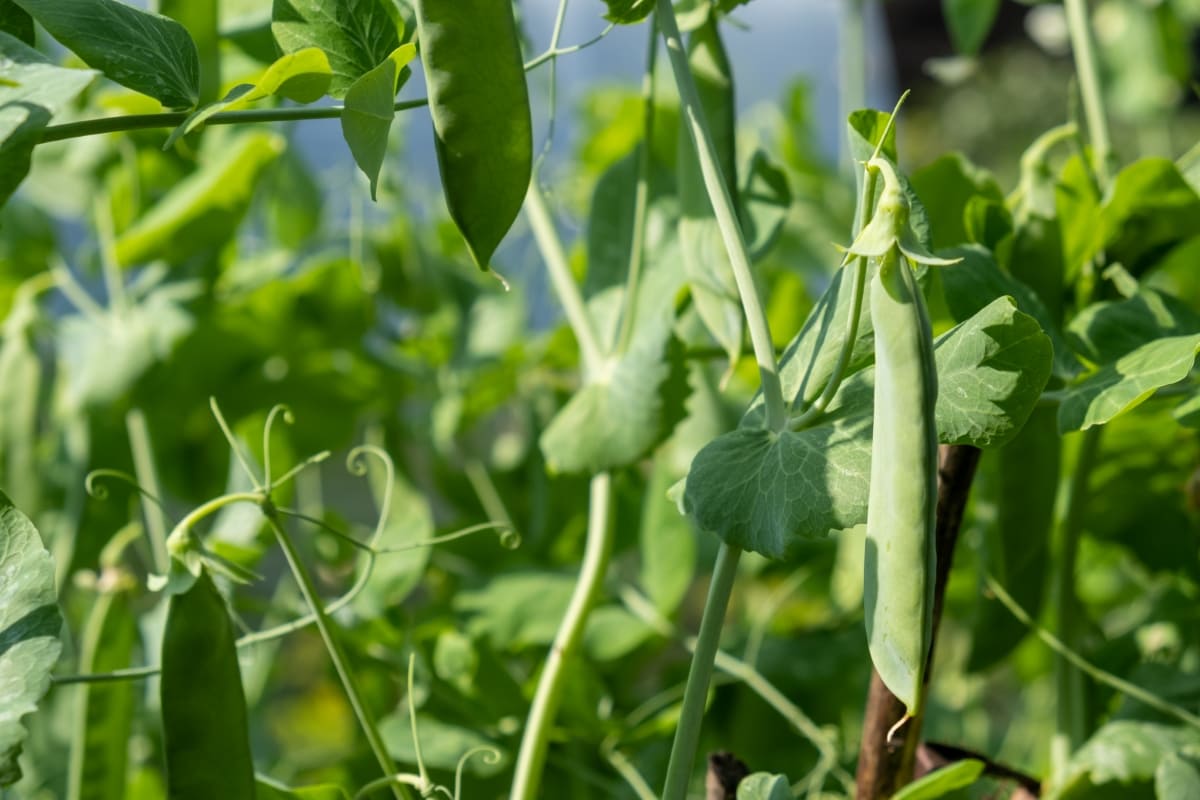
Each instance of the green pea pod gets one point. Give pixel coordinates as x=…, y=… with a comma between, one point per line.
x=205, y=732
x=480, y=107
x=899, y=560
x=104, y=717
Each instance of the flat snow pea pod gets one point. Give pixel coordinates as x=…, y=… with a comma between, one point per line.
x=205, y=733
x=480, y=107
x=899, y=563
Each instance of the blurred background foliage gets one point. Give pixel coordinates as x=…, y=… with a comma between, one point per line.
x=266, y=277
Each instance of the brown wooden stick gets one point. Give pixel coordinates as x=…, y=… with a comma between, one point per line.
x=883, y=766
x=725, y=772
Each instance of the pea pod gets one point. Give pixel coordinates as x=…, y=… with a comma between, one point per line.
x=899, y=563
x=99, y=746
x=205, y=731
x=480, y=108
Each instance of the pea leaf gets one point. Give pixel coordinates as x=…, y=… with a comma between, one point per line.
x=943, y=781
x=1178, y=775
x=764, y=201
x=1105, y=331
x=633, y=401
x=627, y=12
x=33, y=91
x=100, y=746
x=1124, y=752
x=945, y=187
x=145, y=52
x=197, y=217
x=1149, y=208
x=977, y=280
x=201, y=19
x=356, y=35
x=764, y=786
x=1123, y=384
x=29, y=630
x=768, y=492
x=267, y=789
x=369, y=111
x=16, y=22
x=302, y=76
x=969, y=22
x=483, y=131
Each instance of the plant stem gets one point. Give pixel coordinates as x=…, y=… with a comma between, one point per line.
x=560, y=276
x=171, y=119
x=1086, y=68
x=336, y=654
x=147, y=476
x=641, y=197
x=1070, y=726
x=536, y=739
x=726, y=214
x=687, y=734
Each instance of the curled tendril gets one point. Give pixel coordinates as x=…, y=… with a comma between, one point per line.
x=356, y=464
x=509, y=538
x=233, y=443
x=277, y=410
x=491, y=757
x=100, y=492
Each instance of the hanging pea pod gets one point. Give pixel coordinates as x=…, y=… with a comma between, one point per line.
x=104, y=718
x=480, y=108
x=205, y=731
x=899, y=564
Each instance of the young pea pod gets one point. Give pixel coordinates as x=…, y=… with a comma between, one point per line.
x=205, y=731
x=480, y=109
x=99, y=747
x=900, y=555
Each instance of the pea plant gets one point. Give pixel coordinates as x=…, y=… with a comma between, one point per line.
x=613, y=500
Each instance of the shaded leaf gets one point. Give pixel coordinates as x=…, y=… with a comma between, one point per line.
x=266, y=789
x=145, y=52
x=1123, y=752
x=33, y=91
x=627, y=12
x=29, y=630
x=356, y=35
x=764, y=786
x=200, y=213
x=369, y=111
x=442, y=744
x=945, y=187
x=16, y=22
x=1105, y=331
x=1178, y=775
x=1149, y=207
x=943, y=781
x=969, y=22
x=1123, y=384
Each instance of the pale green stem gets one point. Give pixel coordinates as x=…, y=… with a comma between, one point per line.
x=726, y=214
x=172, y=119
x=1070, y=719
x=338, y=656
x=641, y=198
x=687, y=734
x=1058, y=646
x=563, y=281
x=1088, y=72
x=535, y=740
x=147, y=477
x=485, y=489
x=629, y=773
x=555, y=52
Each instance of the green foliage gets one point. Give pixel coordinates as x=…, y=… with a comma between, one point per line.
x=30, y=625
x=367, y=117
x=943, y=781
x=356, y=35
x=156, y=56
